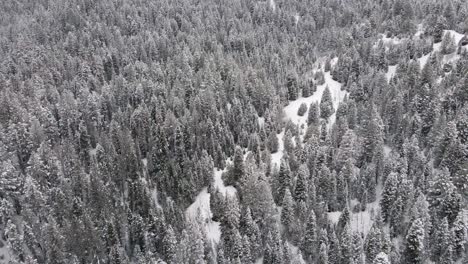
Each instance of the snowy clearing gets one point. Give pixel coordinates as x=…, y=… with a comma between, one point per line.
x=219, y=184
x=361, y=222
x=200, y=210
x=449, y=58
x=337, y=94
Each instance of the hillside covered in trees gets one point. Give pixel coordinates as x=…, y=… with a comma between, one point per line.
x=233, y=131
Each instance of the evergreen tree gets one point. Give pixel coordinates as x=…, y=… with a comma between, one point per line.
x=170, y=245
x=238, y=169
x=287, y=213
x=310, y=242
x=286, y=253
x=459, y=239
x=284, y=179
x=373, y=244
x=246, y=254
x=251, y=230
x=357, y=249
x=323, y=254
x=381, y=258
x=291, y=84
x=448, y=44
x=442, y=247
x=326, y=104
x=220, y=257
x=302, y=109
x=313, y=115
x=345, y=242
x=344, y=220
x=415, y=250
x=334, y=249
x=389, y=195
x=301, y=190
x=273, y=143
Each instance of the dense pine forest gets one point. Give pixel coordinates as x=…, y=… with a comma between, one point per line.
x=234, y=131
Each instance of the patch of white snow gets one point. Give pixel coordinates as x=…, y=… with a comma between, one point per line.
x=361, y=221
x=334, y=217
x=386, y=149
x=391, y=72
x=219, y=184
x=154, y=196
x=200, y=209
x=261, y=121
x=337, y=94
x=296, y=18
x=276, y=157
x=273, y=5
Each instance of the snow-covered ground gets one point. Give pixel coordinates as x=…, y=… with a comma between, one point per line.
x=457, y=36
x=290, y=111
x=273, y=4
x=296, y=256
x=219, y=184
x=391, y=72
x=361, y=222
x=420, y=31
x=261, y=121
x=449, y=58
x=200, y=210
x=4, y=252
x=296, y=18
x=387, y=149
x=276, y=157
x=391, y=41
x=337, y=95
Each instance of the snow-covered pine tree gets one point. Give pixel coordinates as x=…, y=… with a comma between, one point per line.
x=415, y=250
x=287, y=212
x=310, y=242
x=326, y=104
x=313, y=114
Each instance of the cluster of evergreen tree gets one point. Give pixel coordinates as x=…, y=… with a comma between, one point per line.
x=114, y=115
